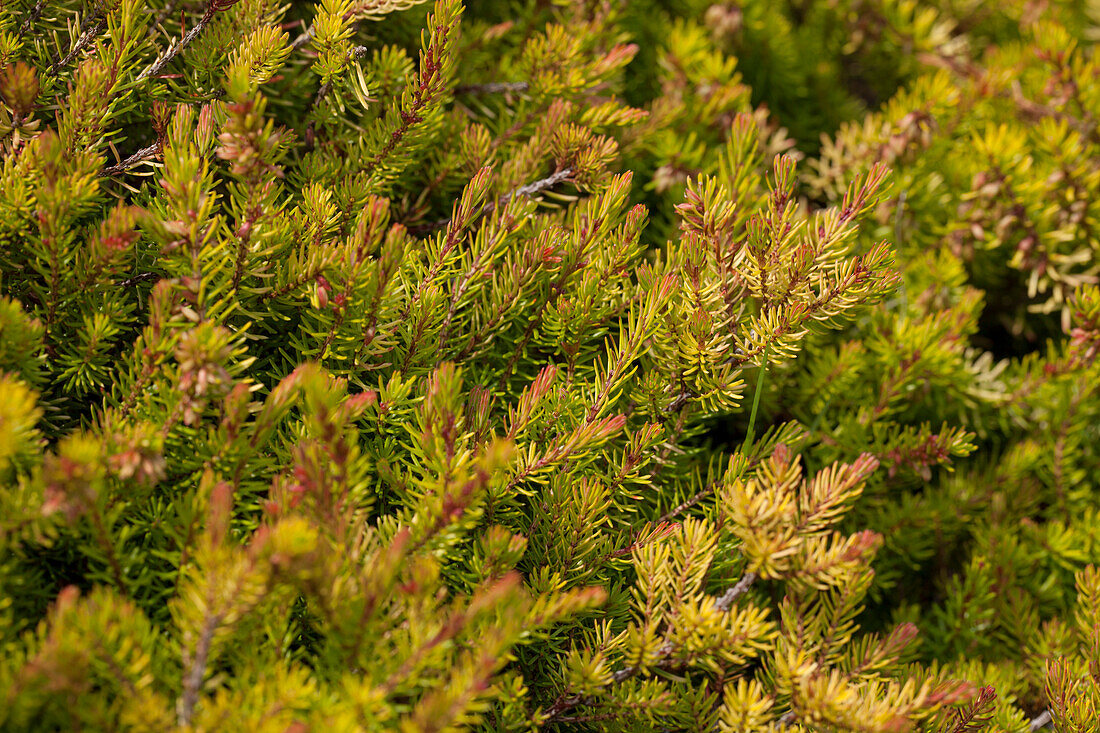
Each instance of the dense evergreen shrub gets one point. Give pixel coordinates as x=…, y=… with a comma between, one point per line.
x=380, y=365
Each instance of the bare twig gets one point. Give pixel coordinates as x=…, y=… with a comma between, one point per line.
x=702, y=494
x=174, y=50
x=303, y=39
x=528, y=190
x=742, y=586
x=92, y=26
x=139, y=278
x=145, y=153
x=536, y=187
x=1041, y=721
x=32, y=17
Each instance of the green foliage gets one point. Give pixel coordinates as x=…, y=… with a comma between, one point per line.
x=371, y=365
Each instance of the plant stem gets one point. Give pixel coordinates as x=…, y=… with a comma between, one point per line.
x=756, y=401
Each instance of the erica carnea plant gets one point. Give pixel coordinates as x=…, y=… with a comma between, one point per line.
x=384, y=365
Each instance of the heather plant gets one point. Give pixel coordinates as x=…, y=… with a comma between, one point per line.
x=818, y=64
x=993, y=158
x=392, y=365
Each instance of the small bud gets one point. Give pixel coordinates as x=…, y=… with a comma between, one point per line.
x=204, y=131
x=19, y=88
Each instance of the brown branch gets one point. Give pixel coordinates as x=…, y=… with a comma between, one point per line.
x=527, y=190
x=174, y=50
x=91, y=28
x=32, y=17
x=146, y=153
x=427, y=85
x=704, y=493
x=243, y=239
x=537, y=186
